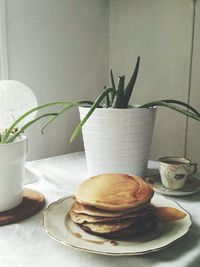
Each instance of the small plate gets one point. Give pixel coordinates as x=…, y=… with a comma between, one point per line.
x=57, y=223
x=192, y=186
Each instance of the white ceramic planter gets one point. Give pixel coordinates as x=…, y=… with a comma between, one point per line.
x=12, y=160
x=118, y=140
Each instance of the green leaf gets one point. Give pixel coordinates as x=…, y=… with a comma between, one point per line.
x=22, y=117
x=118, y=101
x=93, y=107
x=129, y=89
x=68, y=106
x=107, y=101
x=171, y=106
x=14, y=136
x=112, y=84
x=182, y=104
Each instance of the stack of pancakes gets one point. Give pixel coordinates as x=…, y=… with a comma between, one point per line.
x=114, y=206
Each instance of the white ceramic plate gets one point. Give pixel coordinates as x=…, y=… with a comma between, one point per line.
x=59, y=226
x=192, y=186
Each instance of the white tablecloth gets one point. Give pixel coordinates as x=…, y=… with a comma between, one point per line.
x=26, y=244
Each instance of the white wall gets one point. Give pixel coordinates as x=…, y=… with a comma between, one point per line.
x=193, y=138
x=161, y=33
x=3, y=43
x=60, y=50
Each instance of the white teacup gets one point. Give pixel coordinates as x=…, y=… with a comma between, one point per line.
x=174, y=171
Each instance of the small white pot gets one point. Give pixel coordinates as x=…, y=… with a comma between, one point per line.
x=118, y=140
x=12, y=161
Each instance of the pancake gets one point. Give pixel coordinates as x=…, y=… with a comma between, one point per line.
x=115, y=192
x=92, y=211
x=105, y=228
x=114, y=206
x=84, y=218
x=135, y=230
x=127, y=230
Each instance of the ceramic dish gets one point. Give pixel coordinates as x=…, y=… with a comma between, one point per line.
x=57, y=223
x=192, y=186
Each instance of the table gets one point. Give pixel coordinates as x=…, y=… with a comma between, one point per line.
x=26, y=244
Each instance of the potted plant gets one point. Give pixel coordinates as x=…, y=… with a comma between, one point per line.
x=117, y=135
x=12, y=171
x=13, y=151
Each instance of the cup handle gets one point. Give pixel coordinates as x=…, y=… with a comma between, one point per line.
x=194, y=166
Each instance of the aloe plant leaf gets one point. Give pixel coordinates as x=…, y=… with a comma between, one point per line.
x=112, y=79
x=93, y=107
x=107, y=101
x=23, y=116
x=182, y=104
x=68, y=106
x=129, y=89
x=14, y=136
x=118, y=101
x=171, y=106
x=112, y=84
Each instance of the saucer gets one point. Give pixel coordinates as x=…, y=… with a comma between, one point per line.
x=192, y=186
